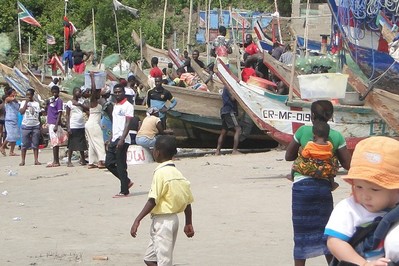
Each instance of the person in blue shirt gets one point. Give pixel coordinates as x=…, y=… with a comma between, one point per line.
x=229, y=113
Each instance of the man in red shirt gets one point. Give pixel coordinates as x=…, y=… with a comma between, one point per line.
x=250, y=47
x=155, y=70
x=248, y=71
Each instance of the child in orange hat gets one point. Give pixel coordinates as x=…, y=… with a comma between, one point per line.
x=374, y=176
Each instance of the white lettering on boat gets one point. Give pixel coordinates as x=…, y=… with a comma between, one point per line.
x=285, y=115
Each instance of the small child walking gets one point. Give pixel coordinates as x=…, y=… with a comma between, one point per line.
x=169, y=195
x=374, y=176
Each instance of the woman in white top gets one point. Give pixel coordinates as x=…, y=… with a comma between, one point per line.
x=93, y=129
x=76, y=126
x=30, y=109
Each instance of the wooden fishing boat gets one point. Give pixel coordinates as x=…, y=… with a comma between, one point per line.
x=280, y=119
x=213, y=84
x=197, y=109
x=367, y=46
x=149, y=51
x=21, y=82
x=163, y=55
x=365, y=42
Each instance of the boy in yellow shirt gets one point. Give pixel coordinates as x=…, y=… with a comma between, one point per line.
x=169, y=195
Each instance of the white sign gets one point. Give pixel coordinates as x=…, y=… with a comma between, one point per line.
x=286, y=115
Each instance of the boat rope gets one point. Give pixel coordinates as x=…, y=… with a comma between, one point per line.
x=375, y=80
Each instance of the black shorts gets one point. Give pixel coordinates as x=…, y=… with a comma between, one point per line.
x=229, y=121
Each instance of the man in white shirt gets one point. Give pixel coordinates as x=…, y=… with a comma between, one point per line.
x=115, y=159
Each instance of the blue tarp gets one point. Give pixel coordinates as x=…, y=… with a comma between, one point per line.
x=250, y=17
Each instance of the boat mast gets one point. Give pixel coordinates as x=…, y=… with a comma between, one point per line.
x=94, y=36
x=278, y=21
x=119, y=44
x=163, y=23
x=189, y=26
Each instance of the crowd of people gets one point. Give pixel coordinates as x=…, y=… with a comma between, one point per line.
x=102, y=121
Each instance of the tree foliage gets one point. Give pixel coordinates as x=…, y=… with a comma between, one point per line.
x=50, y=14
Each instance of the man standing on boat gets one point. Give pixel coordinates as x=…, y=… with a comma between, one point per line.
x=157, y=97
x=79, y=59
x=250, y=48
x=221, y=46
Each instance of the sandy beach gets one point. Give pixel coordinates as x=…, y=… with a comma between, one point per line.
x=66, y=216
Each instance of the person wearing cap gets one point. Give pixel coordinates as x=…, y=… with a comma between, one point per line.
x=157, y=97
x=312, y=201
x=149, y=129
x=374, y=177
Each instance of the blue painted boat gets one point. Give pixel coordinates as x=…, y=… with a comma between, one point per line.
x=365, y=43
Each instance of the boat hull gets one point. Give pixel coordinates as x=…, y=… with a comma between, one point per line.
x=378, y=66
x=271, y=113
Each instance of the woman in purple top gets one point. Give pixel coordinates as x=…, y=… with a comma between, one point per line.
x=54, y=113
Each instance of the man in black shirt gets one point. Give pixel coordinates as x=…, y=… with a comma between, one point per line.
x=194, y=56
x=79, y=60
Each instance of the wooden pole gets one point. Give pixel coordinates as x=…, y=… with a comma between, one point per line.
x=290, y=90
x=119, y=44
x=19, y=39
x=278, y=22
x=94, y=35
x=208, y=22
x=236, y=49
x=163, y=23
x=141, y=50
x=29, y=50
x=189, y=26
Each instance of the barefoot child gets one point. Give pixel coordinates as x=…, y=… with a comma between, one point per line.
x=374, y=176
x=169, y=195
x=56, y=133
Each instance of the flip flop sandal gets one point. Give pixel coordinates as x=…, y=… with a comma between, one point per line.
x=120, y=195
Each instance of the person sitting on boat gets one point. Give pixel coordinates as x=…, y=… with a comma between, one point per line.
x=188, y=80
x=249, y=70
x=288, y=56
x=157, y=97
x=250, y=48
x=277, y=50
x=79, y=59
x=187, y=62
x=221, y=46
x=154, y=72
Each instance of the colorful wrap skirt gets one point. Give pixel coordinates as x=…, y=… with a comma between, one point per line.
x=312, y=204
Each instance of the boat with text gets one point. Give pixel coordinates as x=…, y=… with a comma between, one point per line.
x=280, y=118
